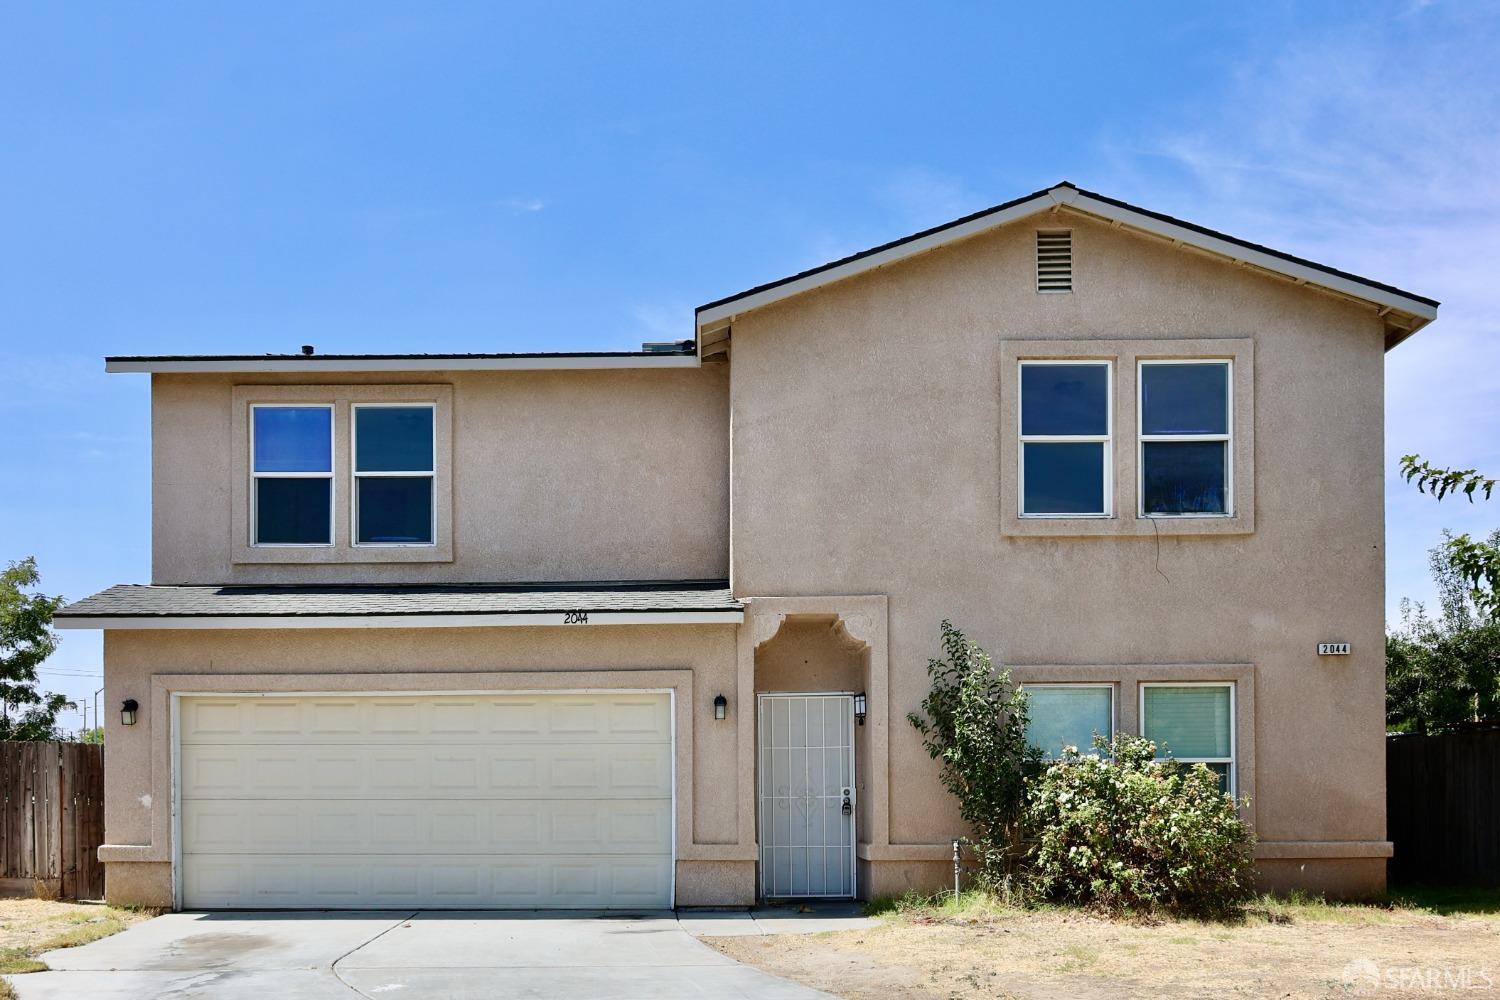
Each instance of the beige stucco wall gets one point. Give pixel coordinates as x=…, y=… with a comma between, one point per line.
x=867, y=460
x=696, y=662
x=573, y=475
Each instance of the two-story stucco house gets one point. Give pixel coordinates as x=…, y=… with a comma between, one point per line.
x=630, y=630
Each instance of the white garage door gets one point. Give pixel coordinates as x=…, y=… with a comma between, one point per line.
x=544, y=800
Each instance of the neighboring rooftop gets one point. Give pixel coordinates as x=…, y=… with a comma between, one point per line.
x=152, y=606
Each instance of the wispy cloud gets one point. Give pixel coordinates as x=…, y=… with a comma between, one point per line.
x=1377, y=151
x=924, y=197
x=663, y=320
x=521, y=206
x=26, y=382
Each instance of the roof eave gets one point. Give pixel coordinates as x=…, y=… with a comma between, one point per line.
x=530, y=619
x=426, y=363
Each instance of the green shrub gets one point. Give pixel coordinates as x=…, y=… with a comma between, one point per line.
x=975, y=724
x=1123, y=831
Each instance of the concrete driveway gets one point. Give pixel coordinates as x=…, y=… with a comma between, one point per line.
x=410, y=956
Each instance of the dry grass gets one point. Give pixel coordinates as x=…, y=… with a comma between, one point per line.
x=29, y=927
x=1288, y=947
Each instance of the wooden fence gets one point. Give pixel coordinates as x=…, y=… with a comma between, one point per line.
x=1443, y=808
x=53, y=819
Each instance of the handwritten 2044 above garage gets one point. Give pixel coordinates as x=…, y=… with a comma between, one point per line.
x=401, y=648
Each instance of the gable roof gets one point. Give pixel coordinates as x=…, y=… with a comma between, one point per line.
x=1404, y=312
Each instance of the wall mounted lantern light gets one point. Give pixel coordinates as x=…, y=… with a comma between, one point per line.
x=127, y=712
x=859, y=708
x=721, y=707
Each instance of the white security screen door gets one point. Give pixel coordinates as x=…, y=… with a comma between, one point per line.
x=806, y=795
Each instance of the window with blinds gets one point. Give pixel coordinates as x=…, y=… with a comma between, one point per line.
x=1192, y=723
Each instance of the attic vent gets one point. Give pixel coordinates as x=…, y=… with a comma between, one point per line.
x=1054, y=261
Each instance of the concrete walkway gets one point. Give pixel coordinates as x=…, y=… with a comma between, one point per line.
x=423, y=956
x=794, y=918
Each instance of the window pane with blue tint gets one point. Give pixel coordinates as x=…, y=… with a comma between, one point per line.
x=1065, y=399
x=1185, y=399
x=1184, y=477
x=393, y=439
x=1066, y=716
x=1189, y=721
x=293, y=438
x=394, y=510
x=293, y=511
x=1063, y=478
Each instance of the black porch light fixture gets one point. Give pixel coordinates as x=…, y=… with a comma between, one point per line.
x=721, y=707
x=859, y=708
x=127, y=712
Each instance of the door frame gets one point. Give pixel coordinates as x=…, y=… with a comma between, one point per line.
x=760, y=700
x=175, y=748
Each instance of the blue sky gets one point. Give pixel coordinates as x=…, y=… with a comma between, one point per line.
x=484, y=177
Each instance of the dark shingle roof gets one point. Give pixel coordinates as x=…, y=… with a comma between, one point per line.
x=147, y=601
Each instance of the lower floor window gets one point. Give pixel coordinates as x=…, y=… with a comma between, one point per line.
x=1194, y=723
x=1062, y=715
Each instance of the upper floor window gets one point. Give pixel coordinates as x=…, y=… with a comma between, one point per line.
x=1065, y=443
x=1185, y=438
x=291, y=471
x=394, y=474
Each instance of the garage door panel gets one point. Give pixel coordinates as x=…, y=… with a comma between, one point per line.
x=427, y=826
x=554, y=800
x=395, y=719
x=377, y=881
x=379, y=771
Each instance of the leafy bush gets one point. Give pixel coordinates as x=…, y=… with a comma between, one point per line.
x=1122, y=830
x=975, y=724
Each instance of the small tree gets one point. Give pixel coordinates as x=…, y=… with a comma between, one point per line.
x=1124, y=831
x=1478, y=563
x=26, y=639
x=975, y=724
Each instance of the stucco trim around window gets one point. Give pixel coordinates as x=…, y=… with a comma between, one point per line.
x=1125, y=356
x=342, y=398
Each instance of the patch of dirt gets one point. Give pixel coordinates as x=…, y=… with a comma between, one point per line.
x=28, y=923
x=1046, y=956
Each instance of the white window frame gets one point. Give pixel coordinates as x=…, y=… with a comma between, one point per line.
x=1114, y=710
x=355, y=475
x=1142, y=438
x=1233, y=726
x=1107, y=439
x=254, y=525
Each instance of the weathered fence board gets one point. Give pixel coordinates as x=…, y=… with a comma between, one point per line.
x=1443, y=808
x=52, y=820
